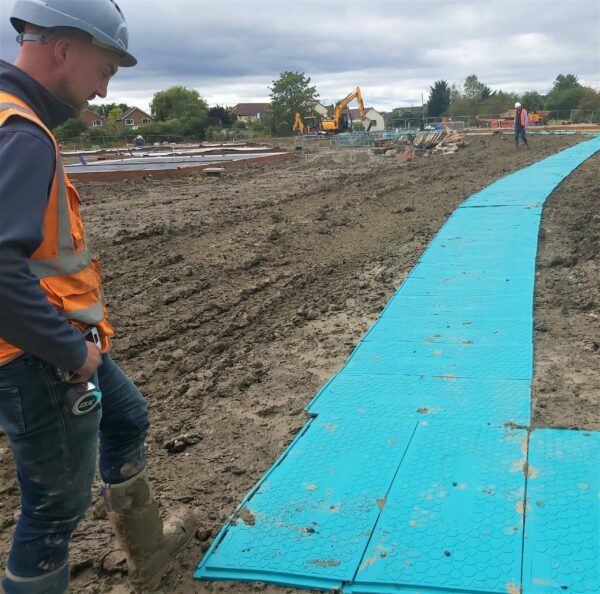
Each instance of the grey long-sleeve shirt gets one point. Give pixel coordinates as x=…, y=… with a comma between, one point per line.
x=27, y=319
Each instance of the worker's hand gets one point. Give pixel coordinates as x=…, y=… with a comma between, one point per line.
x=93, y=360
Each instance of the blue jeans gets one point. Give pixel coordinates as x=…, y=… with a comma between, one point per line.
x=55, y=456
x=520, y=133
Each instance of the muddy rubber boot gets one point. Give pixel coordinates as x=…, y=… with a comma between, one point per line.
x=148, y=545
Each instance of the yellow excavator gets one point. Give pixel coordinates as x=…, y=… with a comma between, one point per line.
x=305, y=126
x=340, y=120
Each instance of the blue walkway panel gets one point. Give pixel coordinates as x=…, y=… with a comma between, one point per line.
x=448, y=361
x=562, y=531
x=462, y=329
x=309, y=520
x=459, y=307
x=414, y=475
x=454, y=516
x=456, y=400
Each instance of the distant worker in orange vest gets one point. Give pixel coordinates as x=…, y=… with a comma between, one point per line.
x=59, y=388
x=521, y=122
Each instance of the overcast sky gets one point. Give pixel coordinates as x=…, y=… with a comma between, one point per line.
x=230, y=51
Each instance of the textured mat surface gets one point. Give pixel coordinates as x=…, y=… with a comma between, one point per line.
x=421, y=397
x=413, y=475
x=310, y=517
x=562, y=534
x=454, y=516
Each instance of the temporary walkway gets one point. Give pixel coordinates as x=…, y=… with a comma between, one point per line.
x=419, y=472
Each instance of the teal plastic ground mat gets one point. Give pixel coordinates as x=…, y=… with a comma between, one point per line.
x=418, y=472
x=423, y=397
x=562, y=534
x=452, y=518
x=307, y=522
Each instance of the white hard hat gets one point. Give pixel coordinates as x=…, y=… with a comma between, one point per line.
x=517, y=105
x=102, y=19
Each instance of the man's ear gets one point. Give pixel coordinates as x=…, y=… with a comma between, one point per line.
x=62, y=47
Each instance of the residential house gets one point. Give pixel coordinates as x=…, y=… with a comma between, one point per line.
x=374, y=117
x=250, y=112
x=93, y=120
x=133, y=118
x=321, y=109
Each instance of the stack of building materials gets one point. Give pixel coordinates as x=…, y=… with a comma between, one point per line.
x=432, y=139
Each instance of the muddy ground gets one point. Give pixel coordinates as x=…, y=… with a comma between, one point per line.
x=234, y=299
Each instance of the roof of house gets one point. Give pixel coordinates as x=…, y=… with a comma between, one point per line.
x=93, y=113
x=131, y=110
x=250, y=109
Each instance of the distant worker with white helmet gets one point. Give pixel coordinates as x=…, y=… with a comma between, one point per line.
x=520, y=125
x=59, y=388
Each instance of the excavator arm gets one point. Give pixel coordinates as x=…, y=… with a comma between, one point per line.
x=356, y=94
x=298, y=124
x=335, y=124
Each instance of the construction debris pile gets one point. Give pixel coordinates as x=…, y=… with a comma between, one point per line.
x=439, y=141
x=445, y=141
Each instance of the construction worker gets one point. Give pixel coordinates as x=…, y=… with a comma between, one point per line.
x=520, y=125
x=50, y=301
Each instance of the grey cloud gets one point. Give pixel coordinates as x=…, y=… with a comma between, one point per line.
x=227, y=48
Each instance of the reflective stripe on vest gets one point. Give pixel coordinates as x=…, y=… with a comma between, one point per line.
x=88, y=315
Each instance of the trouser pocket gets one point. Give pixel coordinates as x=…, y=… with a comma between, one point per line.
x=12, y=419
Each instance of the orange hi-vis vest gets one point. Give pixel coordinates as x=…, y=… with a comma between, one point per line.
x=66, y=271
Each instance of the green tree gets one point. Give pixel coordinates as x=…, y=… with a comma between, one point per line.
x=497, y=103
x=565, y=94
x=439, y=98
x=455, y=92
x=473, y=89
x=399, y=115
x=590, y=100
x=461, y=107
x=178, y=103
x=291, y=93
x=114, y=114
x=590, y=104
x=564, y=99
x=486, y=93
x=533, y=101
x=183, y=110
x=221, y=116
x=564, y=82
x=103, y=109
x=164, y=131
x=71, y=129
x=103, y=135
